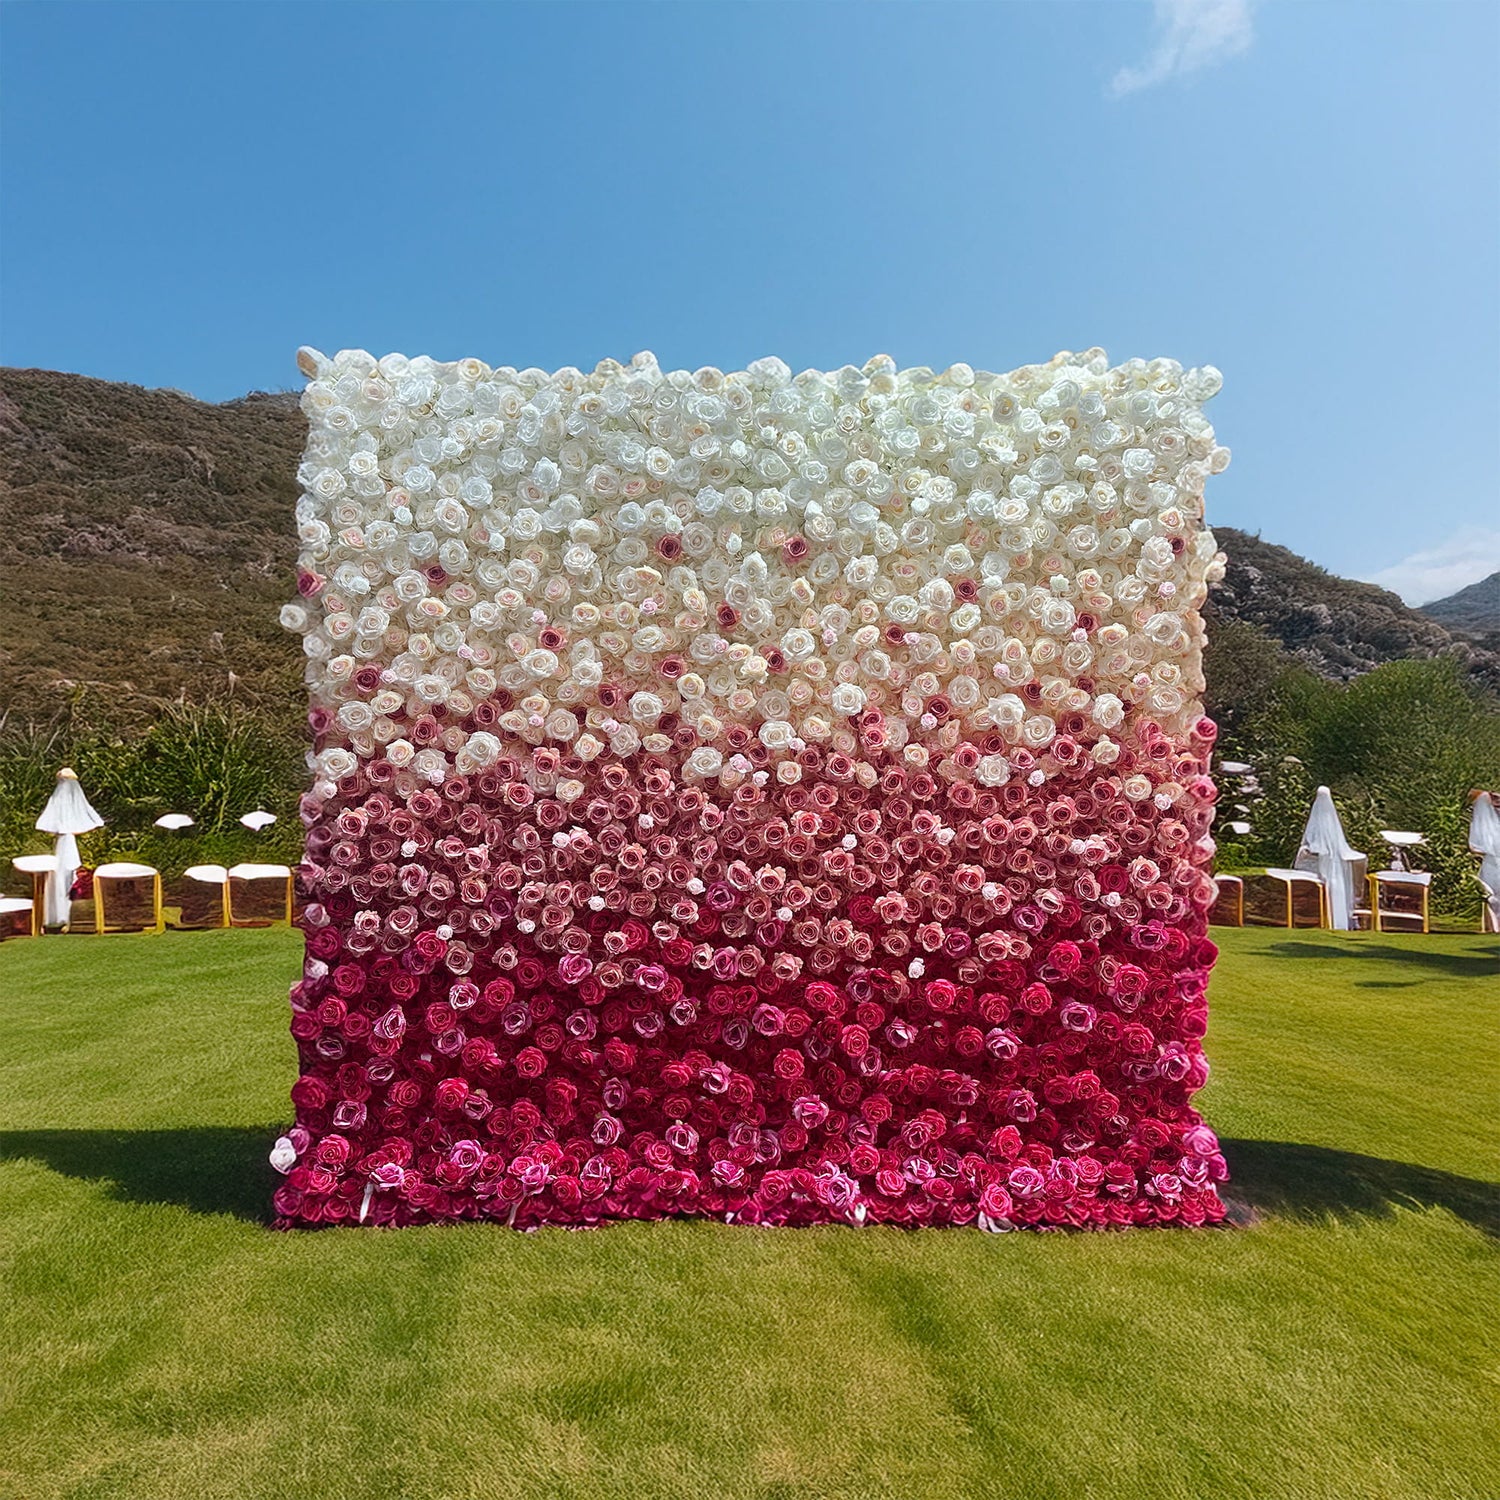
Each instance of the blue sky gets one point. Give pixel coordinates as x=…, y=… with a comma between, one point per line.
x=1304, y=194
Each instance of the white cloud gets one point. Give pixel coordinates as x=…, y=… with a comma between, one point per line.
x=1190, y=34
x=1434, y=573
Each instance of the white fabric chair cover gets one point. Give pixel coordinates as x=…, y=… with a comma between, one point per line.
x=204, y=898
x=1484, y=840
x=60, y=882
x=125, y=870
x=12, y=908
x=252, y=874
x=35, y=864
x=66, y=814
x=67, y=809
x=1326, y=852
x=1292, y=879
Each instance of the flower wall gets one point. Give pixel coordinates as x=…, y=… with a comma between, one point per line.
x=780, y=798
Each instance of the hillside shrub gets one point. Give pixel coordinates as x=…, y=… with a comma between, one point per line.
x=1400, y=747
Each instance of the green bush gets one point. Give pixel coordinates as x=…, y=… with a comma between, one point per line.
x=1242, y=665
x=1399, y=747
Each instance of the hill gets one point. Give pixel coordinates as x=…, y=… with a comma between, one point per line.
x=1335, y=627
x=1471, y=611
x=146, y=546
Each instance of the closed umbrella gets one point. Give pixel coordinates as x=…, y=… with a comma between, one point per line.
x=67, y=814
x=1326, y=850
x=1484, y=840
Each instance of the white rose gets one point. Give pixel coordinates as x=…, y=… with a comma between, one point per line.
x=483, y=748
x=1058, y=616
x=1006, y=711
x=1166, y=630
x=797, y=644
x=336, y=764
x=646, y=708
x=430, y=764
x=848, y=699
x=1108, y=711
x=963, y=693
x=1038, y=731
x=992, y=770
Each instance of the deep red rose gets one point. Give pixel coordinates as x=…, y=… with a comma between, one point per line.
x=531, y=1062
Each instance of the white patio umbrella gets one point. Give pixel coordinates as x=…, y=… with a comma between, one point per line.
x=258, y=819
x=1484, y=840
x=174, y=821
x=67, y=814
x=1326, y=850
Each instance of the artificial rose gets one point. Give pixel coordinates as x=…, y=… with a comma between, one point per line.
x=755, y=795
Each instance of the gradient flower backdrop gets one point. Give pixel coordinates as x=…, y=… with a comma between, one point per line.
x=777, y=797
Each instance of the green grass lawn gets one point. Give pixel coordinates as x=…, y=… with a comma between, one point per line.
x=156, y=1339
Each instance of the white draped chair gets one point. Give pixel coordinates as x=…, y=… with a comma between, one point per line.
x=260, y=895
x=18, y=917
x=1489, y=910
x=66, y=815
x=1290, y=898
x=127, y=898
x=1341, y=870
x=1399, y=896
x=1228, y=909
x=201, y=897
x=1484, y=840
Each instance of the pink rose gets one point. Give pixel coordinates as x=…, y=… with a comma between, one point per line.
x=1026, y=1182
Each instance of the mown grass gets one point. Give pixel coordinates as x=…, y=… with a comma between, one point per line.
x=156, y=1340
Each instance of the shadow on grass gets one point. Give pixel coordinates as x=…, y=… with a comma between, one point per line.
x=1480, y=962
x=211, y=1169
x=222, y=1169
x=1284, y=1180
